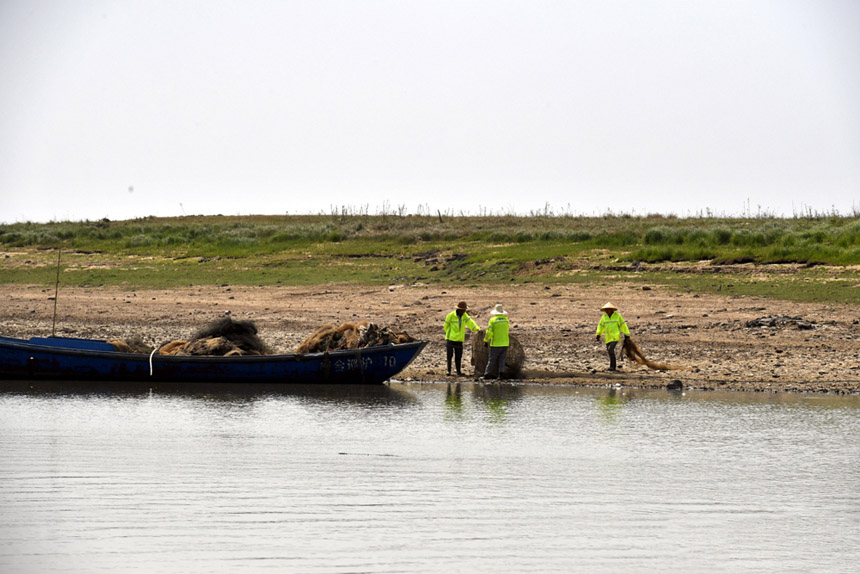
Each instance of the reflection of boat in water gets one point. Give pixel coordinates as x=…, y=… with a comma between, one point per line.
x=370, y=395
x=60, y=358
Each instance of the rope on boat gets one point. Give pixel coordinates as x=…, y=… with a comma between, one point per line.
x=150, y=361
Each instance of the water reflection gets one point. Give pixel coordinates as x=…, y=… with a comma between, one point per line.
x=454, y=401
x=227, y=393
x=609, y=405
x=496, y=399
x=418, y=477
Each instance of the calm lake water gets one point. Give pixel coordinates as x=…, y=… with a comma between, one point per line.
x=423, y=478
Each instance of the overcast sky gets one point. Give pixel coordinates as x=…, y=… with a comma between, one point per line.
x=128, y=108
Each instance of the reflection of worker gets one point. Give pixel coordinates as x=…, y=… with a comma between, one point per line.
x=497, y=337
x=610, y=405
x=454, y=400
x=455, y=333
x=611, y=324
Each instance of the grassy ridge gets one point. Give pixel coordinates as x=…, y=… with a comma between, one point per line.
x=380, y=249
x=832, y=240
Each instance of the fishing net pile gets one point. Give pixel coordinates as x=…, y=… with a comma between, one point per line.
x=514, y=360
x=634, y=353
x=351, y=336
x=225, y=338
x=133, y=345
x=229, y=338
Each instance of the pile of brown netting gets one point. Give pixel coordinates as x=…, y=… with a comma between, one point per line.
x=224, y=338
x=351, y=336
x=634, y=353
x=229, y=338
x=515, y=358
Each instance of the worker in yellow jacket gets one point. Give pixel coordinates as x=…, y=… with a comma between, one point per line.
x=611, y=325
x=498, y=338
x=456, y=324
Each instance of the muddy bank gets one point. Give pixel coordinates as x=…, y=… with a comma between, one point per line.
x=728, y=342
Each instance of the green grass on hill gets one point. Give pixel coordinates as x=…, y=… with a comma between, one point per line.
x=381, y=249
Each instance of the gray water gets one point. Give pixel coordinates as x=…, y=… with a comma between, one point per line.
x=423, y=478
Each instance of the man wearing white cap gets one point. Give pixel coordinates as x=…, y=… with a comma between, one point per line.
x=498, y=339
x=612, y=324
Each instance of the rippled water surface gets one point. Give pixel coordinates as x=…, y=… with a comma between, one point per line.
x=428, y=478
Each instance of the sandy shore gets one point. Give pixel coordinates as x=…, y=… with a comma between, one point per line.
x=708, y=334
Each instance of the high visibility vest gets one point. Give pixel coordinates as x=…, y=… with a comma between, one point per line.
x=497, y=331
x=613, y=327
x=455, y=327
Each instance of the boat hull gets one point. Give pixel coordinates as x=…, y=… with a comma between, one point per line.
x=85, y=360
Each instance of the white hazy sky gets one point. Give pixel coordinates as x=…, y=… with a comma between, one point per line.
x=129, y=108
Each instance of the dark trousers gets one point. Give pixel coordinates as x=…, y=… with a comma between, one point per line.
x=455, y=349
x=610, y=348
x=496, y=361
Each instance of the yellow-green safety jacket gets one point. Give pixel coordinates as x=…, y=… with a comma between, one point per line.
x=497, y=331
x=455, y=327
x=613, y=327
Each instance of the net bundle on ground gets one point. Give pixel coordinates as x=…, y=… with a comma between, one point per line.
x=352, y=336
x=634, y=353
x=514, y=360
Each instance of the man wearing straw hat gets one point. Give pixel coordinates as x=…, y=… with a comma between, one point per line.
x=498, y=339
x=612, y=324
x=455, y=333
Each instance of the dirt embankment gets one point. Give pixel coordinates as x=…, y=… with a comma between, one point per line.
x=729, y=342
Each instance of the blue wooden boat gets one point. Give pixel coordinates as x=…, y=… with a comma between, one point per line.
x=64, y=358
